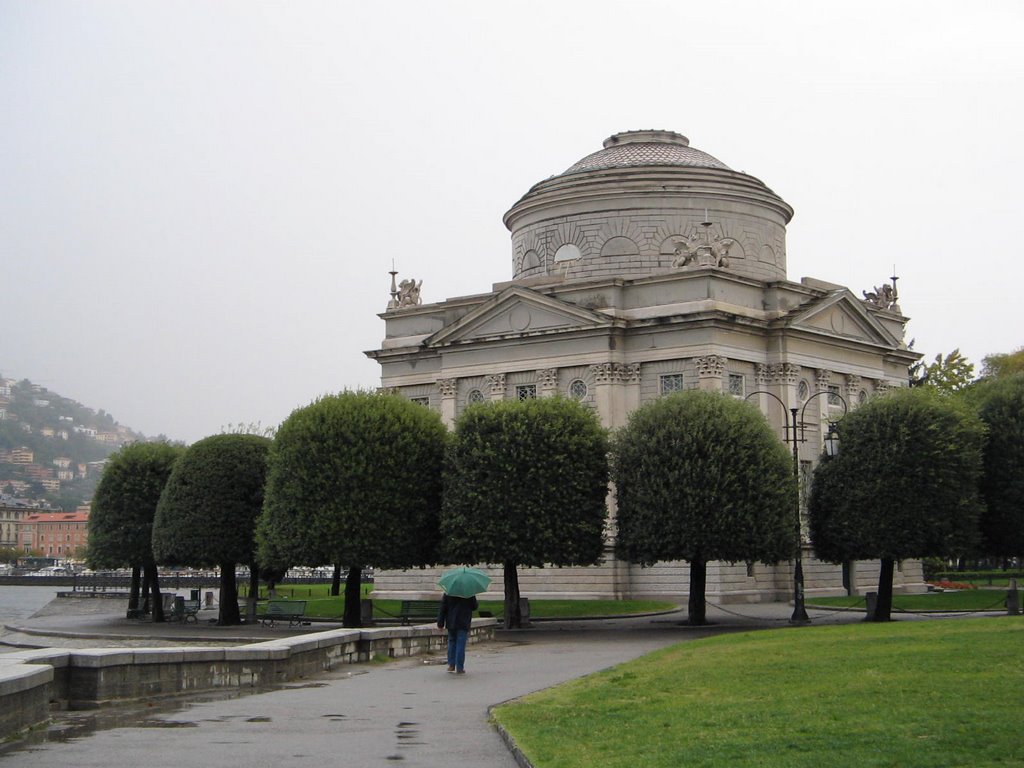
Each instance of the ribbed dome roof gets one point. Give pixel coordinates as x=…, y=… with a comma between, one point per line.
x=639, y=148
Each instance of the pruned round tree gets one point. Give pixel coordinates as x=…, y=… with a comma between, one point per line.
x=207, y=514
x=1001, y=408
x=700, y=476
x=904, y=485
x=354, y=478
x=525, y=484
x=123, y=508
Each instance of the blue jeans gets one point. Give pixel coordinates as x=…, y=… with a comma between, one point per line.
x=457, y=639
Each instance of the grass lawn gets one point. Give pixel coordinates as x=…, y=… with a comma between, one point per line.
x=930, y=693
x=962, y=600
x=320, y=604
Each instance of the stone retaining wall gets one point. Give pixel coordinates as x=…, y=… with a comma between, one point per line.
x=34, y=681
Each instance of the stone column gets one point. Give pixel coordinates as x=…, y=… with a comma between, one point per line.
x=710, y=370
x=603, y=375
x=852, y=390
x=496, y=383
x=548, y=382
x=630, y=375
x=447, y=388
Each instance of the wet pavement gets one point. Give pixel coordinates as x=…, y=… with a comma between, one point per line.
x=409, y=711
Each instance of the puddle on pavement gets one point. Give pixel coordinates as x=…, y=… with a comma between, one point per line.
x=66, y=726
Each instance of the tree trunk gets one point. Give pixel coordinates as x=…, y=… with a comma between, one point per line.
x=696, y=608
x=134, y=592
x=336, y=581
x=254, y=593
x=147, y=602
x=228, y=615
x=156, y=603
x=353, y=592
x=883, y=607
x=513, y=614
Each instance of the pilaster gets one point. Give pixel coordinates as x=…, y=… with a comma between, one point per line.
x=447, y=388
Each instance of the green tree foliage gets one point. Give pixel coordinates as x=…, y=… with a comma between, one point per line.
x=123, y=508
x=1002, y=364
x=526, y=484
x=207, y=514
x=1001, y=408
x=700, y=476
x=354, y=478
x=905, y=485
x=950, y=374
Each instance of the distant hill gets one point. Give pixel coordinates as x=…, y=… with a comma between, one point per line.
x=52, y=447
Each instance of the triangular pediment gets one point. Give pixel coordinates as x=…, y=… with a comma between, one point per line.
x=842, y=315
x=517, y=312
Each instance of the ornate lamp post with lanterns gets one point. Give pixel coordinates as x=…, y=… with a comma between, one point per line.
x=794, y=434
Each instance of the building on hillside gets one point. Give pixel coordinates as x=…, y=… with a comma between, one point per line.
x=55, y=534
x=13, y=511
x=646, y=268
x=22, y=455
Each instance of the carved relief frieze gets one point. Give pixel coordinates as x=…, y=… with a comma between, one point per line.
x=762, y=374
x=630, y=373
x=788, y=373
x=496, y=383
x=548, y=378
x=612, y=373
x=603, y=373
x=711, y=366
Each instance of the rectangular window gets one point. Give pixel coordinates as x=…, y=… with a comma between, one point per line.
x=737, y=386
x=526, y=392
x=424, y=401
x=671, y=382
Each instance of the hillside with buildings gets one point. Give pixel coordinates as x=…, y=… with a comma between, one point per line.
x=52, y=448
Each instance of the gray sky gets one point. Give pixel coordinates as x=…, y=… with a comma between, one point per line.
x=200, y=201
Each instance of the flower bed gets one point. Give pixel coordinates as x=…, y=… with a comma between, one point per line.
x=951, y=585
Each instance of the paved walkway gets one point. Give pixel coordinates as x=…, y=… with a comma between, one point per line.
x=409, y=711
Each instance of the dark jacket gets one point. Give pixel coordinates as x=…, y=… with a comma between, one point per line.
x=456, y=612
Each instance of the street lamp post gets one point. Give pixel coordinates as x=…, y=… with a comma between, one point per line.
x=794, y=438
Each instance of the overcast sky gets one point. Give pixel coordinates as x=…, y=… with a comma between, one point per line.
x=200, y=201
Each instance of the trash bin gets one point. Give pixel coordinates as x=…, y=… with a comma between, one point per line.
x=871, y=604
x=524, y=611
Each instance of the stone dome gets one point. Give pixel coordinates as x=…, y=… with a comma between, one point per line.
x=648, y=203
x=635, y=148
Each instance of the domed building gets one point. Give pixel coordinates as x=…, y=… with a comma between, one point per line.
x=645, y=268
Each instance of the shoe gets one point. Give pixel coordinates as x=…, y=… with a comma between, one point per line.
x=460, y=672
x=451, y=668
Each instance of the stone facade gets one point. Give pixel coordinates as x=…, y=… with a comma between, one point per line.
x=647, y=268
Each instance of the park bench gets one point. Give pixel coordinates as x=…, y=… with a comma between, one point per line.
x=279, y=610
x=419, y=611
x=184, y=610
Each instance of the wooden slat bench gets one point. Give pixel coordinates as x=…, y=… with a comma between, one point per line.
x=420, y=611
x=279, y=610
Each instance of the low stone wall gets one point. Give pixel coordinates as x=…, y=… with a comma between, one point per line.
x=34, y=681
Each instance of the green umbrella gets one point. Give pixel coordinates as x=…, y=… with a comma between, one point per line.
x=464, y=582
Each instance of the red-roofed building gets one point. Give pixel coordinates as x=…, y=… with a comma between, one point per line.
x=55, y=534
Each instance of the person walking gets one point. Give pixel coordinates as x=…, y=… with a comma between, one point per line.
x=457, y=615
